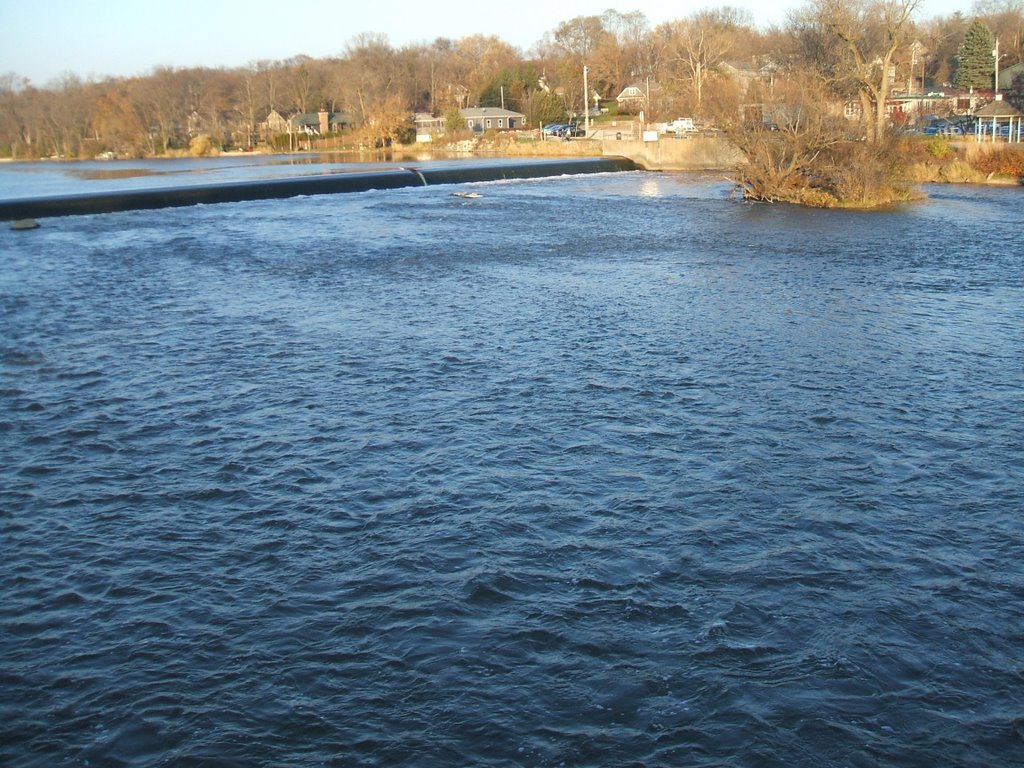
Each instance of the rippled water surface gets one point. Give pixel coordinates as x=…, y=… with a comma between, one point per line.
x=597, y=471
x=44, y=179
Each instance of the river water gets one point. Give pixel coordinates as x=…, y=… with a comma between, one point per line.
x=609, y=470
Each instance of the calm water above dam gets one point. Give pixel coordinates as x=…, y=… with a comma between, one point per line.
x=596, y=471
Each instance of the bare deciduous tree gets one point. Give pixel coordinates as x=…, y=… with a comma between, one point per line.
x=478, y=59
x=368, y=77
x=863, y=36
x=622, y=56
x=780, y=163
x=14, y=133
x=578, y=37
x=695, y=46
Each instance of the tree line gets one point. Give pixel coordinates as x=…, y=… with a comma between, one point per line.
x=859, y=50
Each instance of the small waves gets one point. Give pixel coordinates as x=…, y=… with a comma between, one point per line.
x=517, y=483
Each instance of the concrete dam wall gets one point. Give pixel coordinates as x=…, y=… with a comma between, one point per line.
x=277, y=188
x=670, y=154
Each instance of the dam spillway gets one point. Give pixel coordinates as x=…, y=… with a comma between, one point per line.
x=279, y=188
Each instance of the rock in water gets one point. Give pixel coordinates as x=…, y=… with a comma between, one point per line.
x=25, y=224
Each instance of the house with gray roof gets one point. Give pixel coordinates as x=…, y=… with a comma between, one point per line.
x=1007, y=76
x=480, y=119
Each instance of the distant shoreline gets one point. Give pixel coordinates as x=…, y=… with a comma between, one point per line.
x=696, y=154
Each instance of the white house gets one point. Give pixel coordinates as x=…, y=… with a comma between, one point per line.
x=427, y=126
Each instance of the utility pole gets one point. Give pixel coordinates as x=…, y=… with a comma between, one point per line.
x=586, y=104
x=995, y=55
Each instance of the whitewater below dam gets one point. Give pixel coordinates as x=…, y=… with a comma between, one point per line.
x=608, y=470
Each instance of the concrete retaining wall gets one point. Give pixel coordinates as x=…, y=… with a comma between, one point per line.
x=669, y=154
x=665, y=154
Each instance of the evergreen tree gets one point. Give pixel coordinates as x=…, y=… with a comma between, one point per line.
x=975, y=66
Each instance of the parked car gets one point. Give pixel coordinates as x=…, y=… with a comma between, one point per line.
x=554, y=129
x=943, y=128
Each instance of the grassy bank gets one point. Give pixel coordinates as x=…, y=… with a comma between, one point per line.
x=821, y=171
x=941, y=160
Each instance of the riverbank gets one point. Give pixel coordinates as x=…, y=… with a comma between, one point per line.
x=926, y=159
x=941, y=160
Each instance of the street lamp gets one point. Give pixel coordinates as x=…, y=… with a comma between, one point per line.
x=997, y=57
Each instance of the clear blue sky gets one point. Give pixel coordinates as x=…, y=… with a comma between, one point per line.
x=42, y=39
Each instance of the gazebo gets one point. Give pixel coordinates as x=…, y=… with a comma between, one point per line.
x=993, y=116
